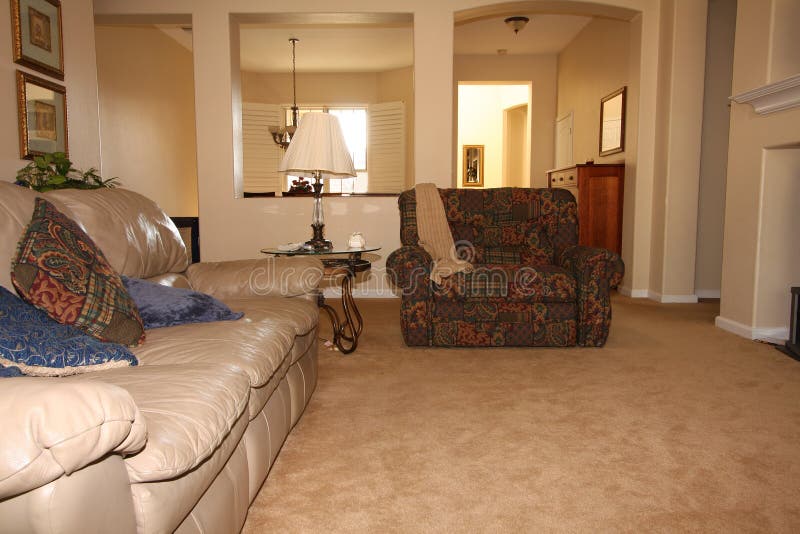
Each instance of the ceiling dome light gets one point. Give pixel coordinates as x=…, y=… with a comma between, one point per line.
x=517, y=23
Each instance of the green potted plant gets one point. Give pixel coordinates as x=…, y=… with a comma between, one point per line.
x=55, y=171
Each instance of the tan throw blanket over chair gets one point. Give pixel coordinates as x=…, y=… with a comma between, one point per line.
x=435, y=236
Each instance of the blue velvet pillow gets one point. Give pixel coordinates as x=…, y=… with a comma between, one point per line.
x=32, y=343
x=161, y=306
x=9, y=372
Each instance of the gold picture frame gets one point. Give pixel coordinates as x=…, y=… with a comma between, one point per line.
x=42, y=111
x=38, y=39
x=612, y=122
x=472, y=171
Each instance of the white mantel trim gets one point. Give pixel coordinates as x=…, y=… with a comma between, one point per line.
x=772, y=97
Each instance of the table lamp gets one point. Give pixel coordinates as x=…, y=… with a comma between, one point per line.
x=318, y=150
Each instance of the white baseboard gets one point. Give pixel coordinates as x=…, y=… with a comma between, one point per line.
x=707, y=293
x=633, y=293
x=671, y=299
x=774, y=335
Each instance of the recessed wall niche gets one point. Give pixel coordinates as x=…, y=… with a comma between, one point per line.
x=343, y=62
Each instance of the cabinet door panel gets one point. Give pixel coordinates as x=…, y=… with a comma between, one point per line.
x=602, y=198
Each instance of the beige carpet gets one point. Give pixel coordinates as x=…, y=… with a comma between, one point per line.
x=674, y=426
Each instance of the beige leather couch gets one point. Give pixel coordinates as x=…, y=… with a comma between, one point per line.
x=184, y=441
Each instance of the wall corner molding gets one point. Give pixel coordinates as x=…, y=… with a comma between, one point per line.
x=772, y=97
x=776, y=335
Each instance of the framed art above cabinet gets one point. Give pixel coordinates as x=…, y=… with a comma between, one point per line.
x=612, y=123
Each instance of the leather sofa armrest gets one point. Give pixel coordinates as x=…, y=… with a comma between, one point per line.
x=53, y=427
x=271, y=276
x=409, y=268
x=597, y=271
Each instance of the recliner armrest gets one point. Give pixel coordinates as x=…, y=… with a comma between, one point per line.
x=271, y=276
x=586, y=262
x=596, y=271
x=409, y=268
x=53, y=427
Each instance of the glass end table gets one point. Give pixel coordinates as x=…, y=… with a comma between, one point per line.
x=347, y=330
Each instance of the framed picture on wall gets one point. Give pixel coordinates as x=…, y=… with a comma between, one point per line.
x=473, y=166
x=42, y=110
x=38, y=42
x=612, y=123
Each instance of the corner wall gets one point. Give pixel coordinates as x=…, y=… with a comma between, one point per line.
x=592, y=66
x=714, y=148
x=745, y=307
x=146, y=93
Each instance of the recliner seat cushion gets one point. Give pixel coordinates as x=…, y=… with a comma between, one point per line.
x=513, y=283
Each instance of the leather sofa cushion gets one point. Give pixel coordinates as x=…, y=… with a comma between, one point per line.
x=189, y=410
x=136, y=236
x=299, y=313
x=254, y=347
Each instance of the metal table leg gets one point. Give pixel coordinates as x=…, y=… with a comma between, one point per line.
x=347, y=330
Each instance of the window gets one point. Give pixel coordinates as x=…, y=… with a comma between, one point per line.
x=353, y=121
x=375, y=136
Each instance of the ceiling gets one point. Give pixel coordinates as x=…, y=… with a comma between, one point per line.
x=344, y=48
x=544, y=34
x=375, y=48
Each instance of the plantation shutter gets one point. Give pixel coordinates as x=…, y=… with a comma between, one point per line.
x=260, y=154
x=386, y=153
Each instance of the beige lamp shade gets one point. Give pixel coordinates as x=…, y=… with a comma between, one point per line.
x=318, y=145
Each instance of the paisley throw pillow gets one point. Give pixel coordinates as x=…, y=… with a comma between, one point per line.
x=60, y=270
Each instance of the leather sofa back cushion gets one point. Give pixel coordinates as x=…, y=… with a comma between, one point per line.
x=136, y=236
x=16, y=207
x=59, y=270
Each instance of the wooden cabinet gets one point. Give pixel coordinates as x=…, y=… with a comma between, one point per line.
x=598, y=190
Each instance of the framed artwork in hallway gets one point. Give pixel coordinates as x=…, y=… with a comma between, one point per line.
x=473, y=166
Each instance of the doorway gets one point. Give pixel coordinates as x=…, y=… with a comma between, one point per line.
x=496, y=115
x=516, y=160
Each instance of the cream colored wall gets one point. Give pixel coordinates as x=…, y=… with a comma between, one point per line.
x=540, y=72
x=147, y=129
x=604, y=56
x=750, y=135
x=714, y=151
x=778, y=257
x=318, y=88
x=80, y=79
x=480, y=122
x=784, y=58
x=592, y=66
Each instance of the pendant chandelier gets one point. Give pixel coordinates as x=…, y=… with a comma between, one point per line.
x=283, y=135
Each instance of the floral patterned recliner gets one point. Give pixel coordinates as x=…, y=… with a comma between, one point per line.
x=532, y=284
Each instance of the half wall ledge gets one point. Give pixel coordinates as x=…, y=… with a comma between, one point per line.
x=772, y=97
